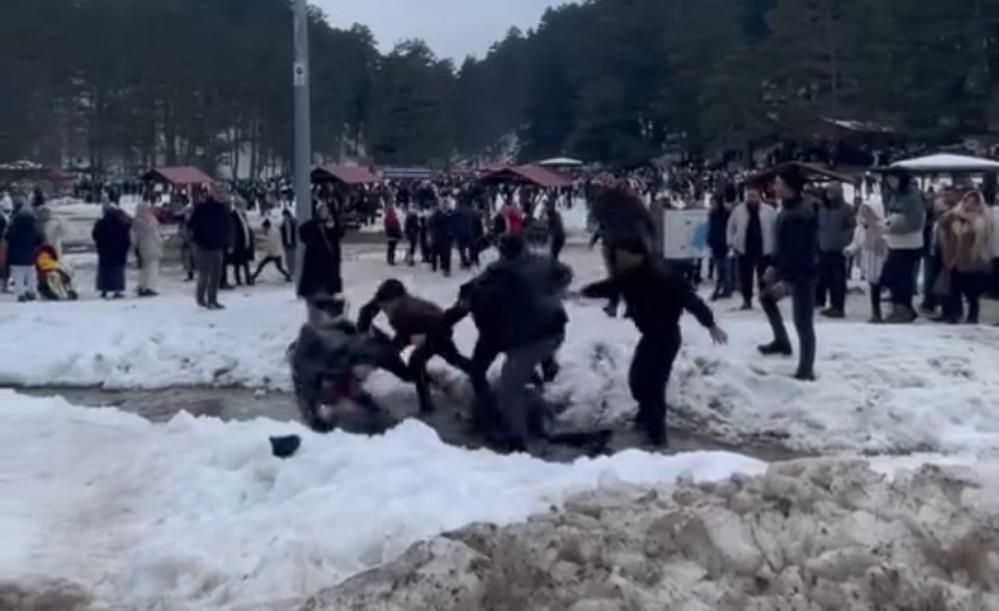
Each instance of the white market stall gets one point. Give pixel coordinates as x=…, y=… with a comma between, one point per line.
x=948, y=163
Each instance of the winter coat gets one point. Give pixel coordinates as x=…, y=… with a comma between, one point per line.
x=556, y=227
x=797, y=256
x=321, y=262
x=147, y=233
x=718, y=232
x=441, y=227
x=964, y=240
x=242, y=247
x=393, y=228
x=412, y=227
x=112, y=235
x=905, y=218
x=738, y=225
x=289, y=233
x=53, y=230
x=23, y=238
x=518, y=301
x=211, y=225
x=408, y=315
x=870, y=248
x=273, y=247
x=464, y=225
x=656, y=298
x=514, y=220
x=836, y=225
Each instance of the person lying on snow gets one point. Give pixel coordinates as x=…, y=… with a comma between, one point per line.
x=54, y=282
x=330, y=361
x=655, y=297
x=416, y=322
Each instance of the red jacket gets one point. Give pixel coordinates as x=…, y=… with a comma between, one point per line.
x=393, y=228
x=514, y=221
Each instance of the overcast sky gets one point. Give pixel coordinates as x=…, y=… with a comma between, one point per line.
x=452, y=28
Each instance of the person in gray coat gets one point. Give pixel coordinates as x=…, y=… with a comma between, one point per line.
x=836, y=226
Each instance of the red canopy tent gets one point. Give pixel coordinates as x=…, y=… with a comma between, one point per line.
x=531, y=174
x=345, y=175
x=182, y=176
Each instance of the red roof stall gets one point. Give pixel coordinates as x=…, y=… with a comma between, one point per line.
x=531, y=174
x=183, y=176
x=344, y=175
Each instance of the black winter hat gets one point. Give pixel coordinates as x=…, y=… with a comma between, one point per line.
x=793, y=177
x=390, y=289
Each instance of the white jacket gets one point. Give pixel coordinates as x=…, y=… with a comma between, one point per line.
x=738, y=224
x=272, y=243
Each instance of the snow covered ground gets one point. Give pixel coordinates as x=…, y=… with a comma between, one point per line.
x=881, y=389
x=197, y=514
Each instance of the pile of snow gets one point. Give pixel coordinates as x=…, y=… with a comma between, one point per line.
x=197, y=514
x=807, y=535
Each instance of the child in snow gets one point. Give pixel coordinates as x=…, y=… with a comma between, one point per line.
x=273, y=251
x=871, y=249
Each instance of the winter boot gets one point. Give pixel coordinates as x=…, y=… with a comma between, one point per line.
x=901, y=315
x=776, y=348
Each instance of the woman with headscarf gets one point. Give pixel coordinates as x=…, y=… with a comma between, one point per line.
x=149, y=243
x=112, y=236
x=320, y=237
x=964, y=235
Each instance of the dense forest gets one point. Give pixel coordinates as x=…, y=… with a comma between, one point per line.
x=202, y=81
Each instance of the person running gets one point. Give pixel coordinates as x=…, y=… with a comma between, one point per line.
x=273, y=252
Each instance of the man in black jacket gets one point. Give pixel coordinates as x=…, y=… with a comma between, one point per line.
x=656, y=297
x=556, y=228
x=516, y=304
x=211, y=230
x=794, y=272
x=441, y=229
x=416, y=322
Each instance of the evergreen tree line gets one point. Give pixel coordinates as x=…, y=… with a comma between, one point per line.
x=620, y=81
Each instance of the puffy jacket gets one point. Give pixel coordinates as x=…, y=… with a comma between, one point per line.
x=211, y=225
x=905, y=218
x=408, y=315
x=797, y=256
x=836, y=225
x=23, y=237
x=515, y=302
x=738, y=225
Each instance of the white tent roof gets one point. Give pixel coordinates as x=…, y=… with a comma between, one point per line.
x=561, y=161
x=946, y=162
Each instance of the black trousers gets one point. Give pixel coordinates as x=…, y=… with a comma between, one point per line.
x=441, y=345
x=277, y=263
x=390, y=251
x=442, y=258
x=832, y=281
x=556, y=248
x=748, y=267
x=931, y=271
x=650, y=370
x=803, y=311
x=239, y=270
x=899, y=275
x=875, y=302
x=411, y=254
x=966, y=287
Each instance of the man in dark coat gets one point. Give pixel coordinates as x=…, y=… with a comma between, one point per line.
x=416, y=322
x=112, y=236
x=211, y=230
x=794, y=272
x=289, y=239
x=242, y=247
x=23, y=239
x=556, y=228
x=655, y=297
x=718, y=242
x=516, y=304
x=320, y=238
x=464, y=219
x=411, y=227
x=441, y=229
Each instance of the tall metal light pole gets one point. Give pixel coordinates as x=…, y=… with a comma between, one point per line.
x=303, y=115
